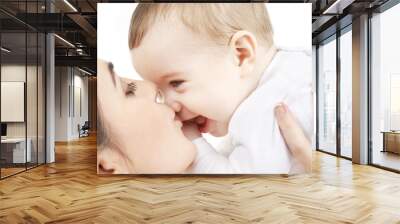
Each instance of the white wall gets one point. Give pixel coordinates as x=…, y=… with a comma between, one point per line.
x=62, y=81
x=82, y=82
x=68, y=82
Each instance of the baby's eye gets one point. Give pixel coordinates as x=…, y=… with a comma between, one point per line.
x=176, y=83
x=159, y=97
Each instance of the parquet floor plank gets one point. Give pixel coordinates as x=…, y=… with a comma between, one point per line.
x=70, y=191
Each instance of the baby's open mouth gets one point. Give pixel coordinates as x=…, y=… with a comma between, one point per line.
x=202, y=123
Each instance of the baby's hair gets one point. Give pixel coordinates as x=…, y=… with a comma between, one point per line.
x=218, y=20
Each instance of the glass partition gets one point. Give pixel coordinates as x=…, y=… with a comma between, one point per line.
x=14, y=153
x=22, y=67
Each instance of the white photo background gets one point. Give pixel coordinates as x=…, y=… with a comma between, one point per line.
x=291, y=24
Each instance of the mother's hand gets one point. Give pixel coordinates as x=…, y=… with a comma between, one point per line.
x=296, y=140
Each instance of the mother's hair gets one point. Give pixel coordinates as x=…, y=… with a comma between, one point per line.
x=103, y=139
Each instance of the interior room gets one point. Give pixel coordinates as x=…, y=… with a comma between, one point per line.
x=49, y=144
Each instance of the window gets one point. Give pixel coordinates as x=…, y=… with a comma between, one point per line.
x=346, y=93
x=385, y=89
x=395, y=102
x=327, y=97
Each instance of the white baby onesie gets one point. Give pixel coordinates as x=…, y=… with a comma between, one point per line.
x=258, y=146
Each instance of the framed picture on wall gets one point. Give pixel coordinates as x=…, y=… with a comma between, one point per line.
x=180, y=77
x=12, y=101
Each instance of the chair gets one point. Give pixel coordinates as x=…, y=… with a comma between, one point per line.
x=84, y=130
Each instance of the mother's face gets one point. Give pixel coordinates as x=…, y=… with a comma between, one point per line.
x=143, y=135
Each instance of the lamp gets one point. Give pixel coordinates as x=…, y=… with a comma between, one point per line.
x=70, y=5
x=84, y=71
x=64, y=40
x=5, y=49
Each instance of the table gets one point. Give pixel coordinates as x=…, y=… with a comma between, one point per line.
x=391, y=141
x=15, y=148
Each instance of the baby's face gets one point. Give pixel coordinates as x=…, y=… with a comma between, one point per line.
x=200, y=80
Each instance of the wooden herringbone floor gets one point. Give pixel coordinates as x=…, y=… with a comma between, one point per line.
x=70, y=191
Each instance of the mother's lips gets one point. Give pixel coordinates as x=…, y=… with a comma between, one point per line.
x=178, y=123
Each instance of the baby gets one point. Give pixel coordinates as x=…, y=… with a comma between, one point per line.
x=221, y=73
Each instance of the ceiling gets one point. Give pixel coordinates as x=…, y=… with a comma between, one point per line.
x=74, y=21
x=332, y=15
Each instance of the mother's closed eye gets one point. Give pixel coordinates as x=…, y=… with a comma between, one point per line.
x=110, y=67
x=129, y=86
x=131, y=89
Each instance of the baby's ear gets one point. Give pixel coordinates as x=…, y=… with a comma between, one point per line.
x=244, y=45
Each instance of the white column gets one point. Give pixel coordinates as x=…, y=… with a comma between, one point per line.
x=50, y=93
x=360, y=90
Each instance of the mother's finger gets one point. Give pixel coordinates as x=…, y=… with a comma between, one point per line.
x=294, y=136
